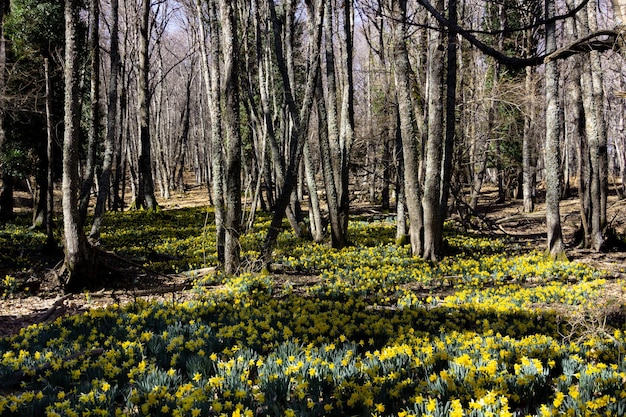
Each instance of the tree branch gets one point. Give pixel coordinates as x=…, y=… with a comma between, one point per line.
x=512, y=61
x=586, y=44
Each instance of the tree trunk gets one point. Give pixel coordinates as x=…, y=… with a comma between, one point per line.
x=112, y=118
x=145, y=196
x=182, y=141
x=6, y=183
x=79, y=266
x=51, y=244
x=159, y=116
x=579, y=133
x=408, y=129
x=315, y=214
x=598, y=100
x=232, y=219
x=594, y=121
x=552, y=152
x=433, y=227
x=450, y=132
x=121, y=141
x=276, y=151
x=338, y=239
x=385, y=203
x=330, y=147
x=94, y=116
x=212, y=81
x=299, y=119
x=527, y=166
x=480, y=134
x=619, y=11
x=346, y=133
x=402, y=229
x=40, y=193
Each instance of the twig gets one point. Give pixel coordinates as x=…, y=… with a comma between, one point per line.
x=490, y=223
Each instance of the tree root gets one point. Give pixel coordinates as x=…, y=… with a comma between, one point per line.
x=113, y=271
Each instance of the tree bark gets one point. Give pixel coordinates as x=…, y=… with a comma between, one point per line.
x=598, y=100
x=212, y=81
x=619, y=11
x=552, y=151
x=300, y=119
x=592, y=97
x=402, y=229
x=408, y=129
x=579, y=136
x=450, y=117
x=480, y=126
x=145, y=196
x=330, y=146
x=94, y=115
x=315, y=214
x=338, y=239
x=112, y=119
x=78, y=265
x=265, y=70
x=433, y=227
x=230, y=81
x=6, y=183
x=527, y=166
x=49, y=198
x=121, y=146
x=346, y=133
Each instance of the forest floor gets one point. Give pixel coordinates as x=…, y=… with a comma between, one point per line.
x=45, y=301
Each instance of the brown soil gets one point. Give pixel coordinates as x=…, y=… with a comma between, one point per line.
x=46, y=302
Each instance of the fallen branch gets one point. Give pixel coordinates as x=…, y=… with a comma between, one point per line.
x=58, y=303
x=199, y=272
x=128, y=262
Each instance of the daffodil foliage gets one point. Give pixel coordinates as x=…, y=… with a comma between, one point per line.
x=482, y=333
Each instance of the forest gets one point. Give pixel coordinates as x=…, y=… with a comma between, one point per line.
x=316, y=207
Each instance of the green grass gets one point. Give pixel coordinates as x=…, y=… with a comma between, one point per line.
x=380, y=333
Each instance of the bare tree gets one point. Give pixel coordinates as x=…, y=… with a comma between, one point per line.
x=6, y=188
x=94, y=107
x=330, y=151
x=450, y=117
x=51, y=244
x=299, y=118
x=408, y=128
x=433, y=227
x=145, y=195
x=211, y=71
x=79, y=266
x=527, y=157
x=597, y=95
x=111, y=124
x=592, y=146
x=552, y=150
x=346, y=134
x=230, y=107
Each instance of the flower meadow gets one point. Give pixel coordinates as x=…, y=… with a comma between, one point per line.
x=488, y=331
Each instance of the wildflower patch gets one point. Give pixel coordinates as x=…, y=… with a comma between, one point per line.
x=379, y=333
